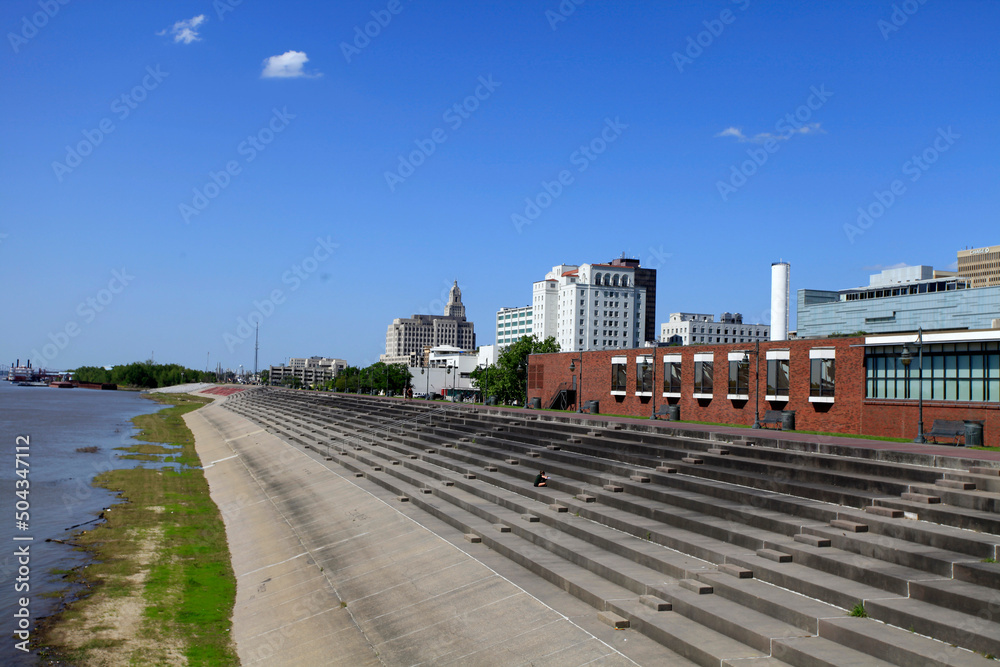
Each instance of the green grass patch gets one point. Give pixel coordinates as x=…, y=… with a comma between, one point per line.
x=858, y=611
x=149, y=449
x=166, y=547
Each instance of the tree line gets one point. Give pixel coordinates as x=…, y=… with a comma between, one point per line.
x=144, y=374
x=507, y=380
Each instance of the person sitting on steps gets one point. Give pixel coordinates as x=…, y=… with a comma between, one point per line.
x=540, y=478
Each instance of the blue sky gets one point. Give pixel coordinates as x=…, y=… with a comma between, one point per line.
x=164, y=175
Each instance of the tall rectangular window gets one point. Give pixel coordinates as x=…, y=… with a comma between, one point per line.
x=644, y=375
x=703, y=377
x=777, y=377
x=739, y=377
x=619, y=374
x=822, y=377
x=671, y=377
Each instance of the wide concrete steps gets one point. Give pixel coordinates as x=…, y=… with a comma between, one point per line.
x=882, y=547
x=620, y=537
x=890, y=578
x=577, y=568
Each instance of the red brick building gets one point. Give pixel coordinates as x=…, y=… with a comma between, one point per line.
x=843, y=385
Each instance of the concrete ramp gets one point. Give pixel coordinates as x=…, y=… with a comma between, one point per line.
x=329, y=572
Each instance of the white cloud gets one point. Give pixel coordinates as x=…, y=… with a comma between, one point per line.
x=736, y=133
x=732, y=132
x=884, y=267
x=286, y=66
x=185, y=31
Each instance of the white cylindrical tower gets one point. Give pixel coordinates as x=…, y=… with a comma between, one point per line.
x=779, y=300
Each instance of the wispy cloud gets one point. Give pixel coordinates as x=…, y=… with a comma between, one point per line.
x=289, y=65
x=761, y=137
x=185, y=31
x=885, y=267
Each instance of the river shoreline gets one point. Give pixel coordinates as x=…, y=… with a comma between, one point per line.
x=158, y=586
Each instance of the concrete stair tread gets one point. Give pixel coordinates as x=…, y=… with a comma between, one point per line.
x=817, y=584
x=729, y=618
x=975, y=499
x=950, y=515
x=820, y=652
x=964, y=630
x=781, y=603
x=693, y=641
x=892, y=550
x=897, y=645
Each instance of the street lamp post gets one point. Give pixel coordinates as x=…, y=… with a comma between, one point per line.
x=907, y=357
x=579, y=387
x=756, y=394
x=387, y=380
x=652, y=388
x=486, y=382
x=446, y=374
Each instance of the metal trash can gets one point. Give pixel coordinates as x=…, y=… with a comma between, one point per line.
x=973, y=433
x=674, y=413
x=535, y=403
x=788, y=420
x=593, y=407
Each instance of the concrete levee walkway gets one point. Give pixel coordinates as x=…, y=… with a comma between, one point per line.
x=329, y=573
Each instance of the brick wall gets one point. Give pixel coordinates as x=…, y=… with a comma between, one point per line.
x=844, y=415
x=899, y=418
x=850, y=412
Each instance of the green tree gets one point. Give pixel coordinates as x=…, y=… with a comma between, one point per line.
x=265, y=376
x=508, y=379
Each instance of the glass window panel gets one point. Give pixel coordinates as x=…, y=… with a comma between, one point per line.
x=978, y=390
x=703, y=377
x=937, y=390
x=963, y=366
x=618, y=377
x=782, y=377
x=978, y=366
x=993, y=390
x=964, y=393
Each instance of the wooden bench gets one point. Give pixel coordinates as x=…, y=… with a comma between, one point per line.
x=947, y=428
x=771, y=417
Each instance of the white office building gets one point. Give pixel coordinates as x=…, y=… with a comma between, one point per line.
x=589, y=307
x=310, y=371
x=513, y=324
x=702, y=329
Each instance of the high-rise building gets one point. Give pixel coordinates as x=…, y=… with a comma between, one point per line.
x=981, y=265
x=407, y=338
x=513, y=324
x=590, y=307
x=645, y=278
